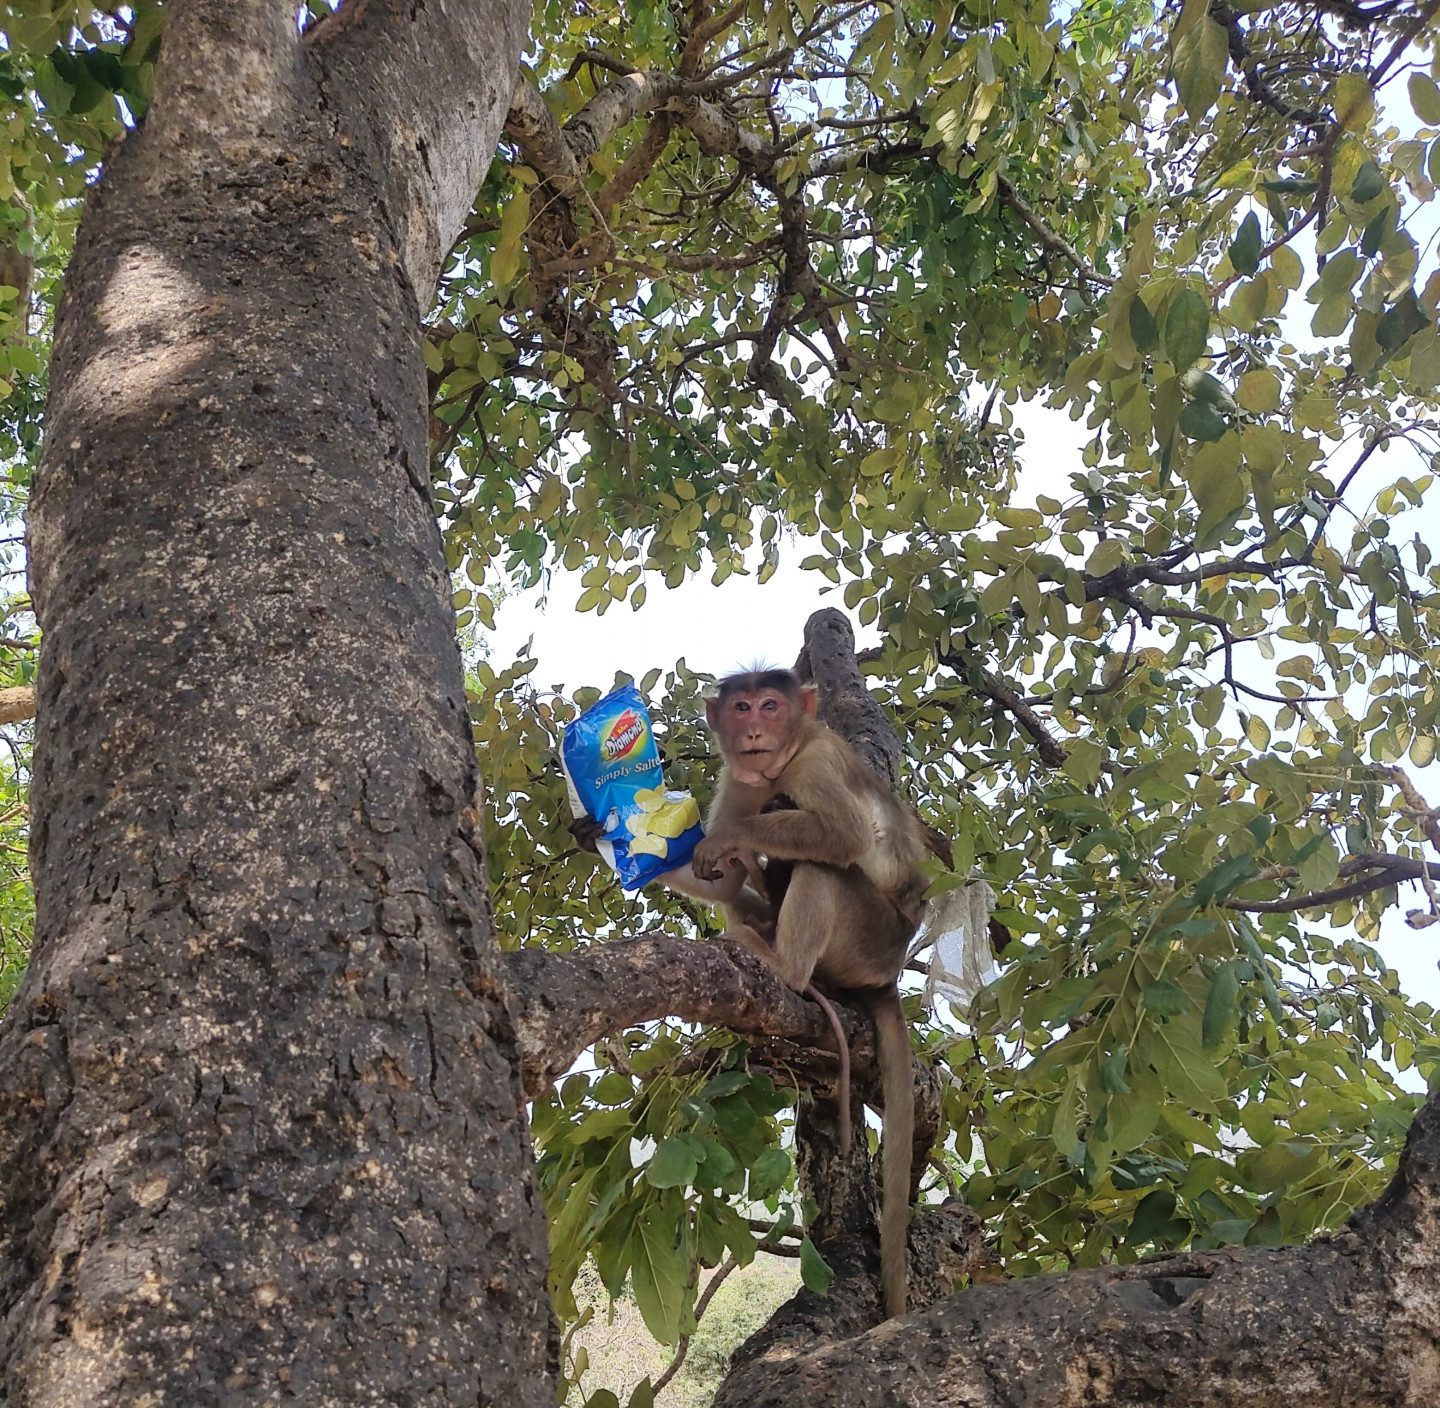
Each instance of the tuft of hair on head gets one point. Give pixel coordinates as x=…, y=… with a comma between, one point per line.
x=752, y=681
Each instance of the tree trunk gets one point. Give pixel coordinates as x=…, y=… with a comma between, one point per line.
x=261, y=1131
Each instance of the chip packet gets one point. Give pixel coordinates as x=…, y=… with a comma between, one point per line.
x=612, y=773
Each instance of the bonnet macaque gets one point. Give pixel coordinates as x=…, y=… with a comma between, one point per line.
x=837, y=897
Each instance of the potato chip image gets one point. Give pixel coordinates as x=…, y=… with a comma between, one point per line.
x=673, y=819
x=650, y=846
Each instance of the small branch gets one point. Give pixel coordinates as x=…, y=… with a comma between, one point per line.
x=1047, y=236
x=1389, y=870
x=1053, y=753
x=1255, y=83
x=1403, y=42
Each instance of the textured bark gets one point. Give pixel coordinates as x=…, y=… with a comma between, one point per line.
x=1351, y=1321
x=261, y=1135
x=566, y=1001
x=17, y=703
x=828, y=660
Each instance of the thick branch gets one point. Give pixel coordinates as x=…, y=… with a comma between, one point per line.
x=565, y=1001
x=430, y=85
x=1351, y=1321
x=946, y=1243
x=533, y=127
x=17, y=703
x=828, y=660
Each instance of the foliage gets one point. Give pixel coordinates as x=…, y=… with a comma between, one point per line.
x=748, y=274
x=1194, y=820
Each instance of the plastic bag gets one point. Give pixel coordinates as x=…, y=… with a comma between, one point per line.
x=612, y=773
x=958, y=924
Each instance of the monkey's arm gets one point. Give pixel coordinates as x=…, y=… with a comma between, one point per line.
x=828, y=823
x=723, y=889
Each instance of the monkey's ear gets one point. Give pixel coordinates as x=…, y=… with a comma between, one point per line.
x=712, y=713
x=809, y=700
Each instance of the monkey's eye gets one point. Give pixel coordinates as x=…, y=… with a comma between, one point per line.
x=742, y=706
x=770, y=705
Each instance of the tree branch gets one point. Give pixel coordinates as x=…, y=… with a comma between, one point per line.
x=566, y=1001
x=1051, y=750
x=1387, y=870
x=1047, y=236
x=377, y=69
x=1354, y=1320
x=17, y=703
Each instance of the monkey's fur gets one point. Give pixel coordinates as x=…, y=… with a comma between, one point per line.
x=841, y=897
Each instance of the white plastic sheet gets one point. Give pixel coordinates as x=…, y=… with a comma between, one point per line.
x=958, y=924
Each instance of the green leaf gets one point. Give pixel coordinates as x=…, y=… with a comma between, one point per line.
x=768, y=1173
x=716, y=1166
x=1220, y=1005
x=1401, y=322
x=815, y=1271
x=1225, y=878
x=1258, y=391
x=1165, y=999
x=1246, y=247
x=1228, y=1231
x=1425, y=97
x=1369, y=182
x=1112, y=1072
x=1106, y=558
x=1154, y=1211
x=1201, y=421
x=602, y=1124
x=1354, y=101
x=1064, y=1131
x=659, y=1271
x=1187, y=325
x=613, y=1089
x=1144, y=331
x=726, y=1083
x=1198, y=65
x=505, y=261
x=673, y=1164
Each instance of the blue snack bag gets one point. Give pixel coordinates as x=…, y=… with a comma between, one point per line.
x=612, y=773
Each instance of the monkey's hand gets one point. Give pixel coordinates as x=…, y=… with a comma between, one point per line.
x=720, y=857
x=587, y=833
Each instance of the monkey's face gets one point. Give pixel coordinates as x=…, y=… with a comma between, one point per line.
x=757, y=728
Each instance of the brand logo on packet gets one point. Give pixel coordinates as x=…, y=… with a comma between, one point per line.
x=626, y=734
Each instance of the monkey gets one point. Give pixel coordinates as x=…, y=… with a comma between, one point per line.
x=834, y=904
x=839, y=898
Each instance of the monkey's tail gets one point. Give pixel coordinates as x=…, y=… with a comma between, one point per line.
x=842, y=1083
x=897, y=1084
